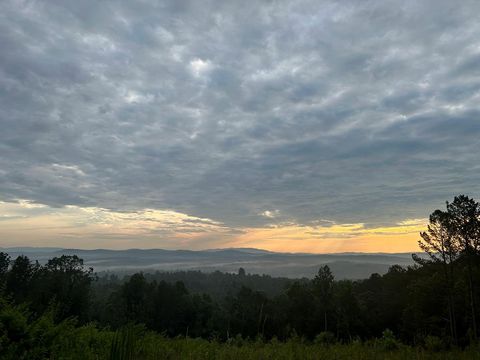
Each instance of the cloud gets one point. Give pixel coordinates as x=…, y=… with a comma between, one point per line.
x=200, y=67
x=271, y=214
x=357, y=112
x=24, y=223
x=27, y=223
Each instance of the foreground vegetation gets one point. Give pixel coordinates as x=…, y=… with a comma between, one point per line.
x=61, y=310
x=45, y=339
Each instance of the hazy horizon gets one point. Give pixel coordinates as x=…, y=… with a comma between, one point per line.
x=299, y=126
x=253, y=261
x=33, y=248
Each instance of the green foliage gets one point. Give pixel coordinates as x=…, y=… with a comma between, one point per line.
x=325, y=338
x=434, y=343
x=219, y=285
x=66, y=282
x=19, y=278
x=4, y=263
x=22, y=337
x=123, y=345
x=388, y=342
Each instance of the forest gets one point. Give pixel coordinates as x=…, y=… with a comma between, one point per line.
x=63, y=310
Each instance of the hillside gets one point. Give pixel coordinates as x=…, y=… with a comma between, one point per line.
x=254, y=261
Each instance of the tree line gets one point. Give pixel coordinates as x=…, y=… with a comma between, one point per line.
x=433, y=300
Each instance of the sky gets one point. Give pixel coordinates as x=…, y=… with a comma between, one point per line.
x=300, y=126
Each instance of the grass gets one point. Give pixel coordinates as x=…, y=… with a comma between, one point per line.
x=66, y=341
x=136, y=343
x=156, y=348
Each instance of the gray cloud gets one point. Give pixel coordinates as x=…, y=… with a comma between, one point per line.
x=351, y=111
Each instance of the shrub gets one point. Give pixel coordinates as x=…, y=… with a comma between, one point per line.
x=434, y=343
x=388, y=342
x=325, y=338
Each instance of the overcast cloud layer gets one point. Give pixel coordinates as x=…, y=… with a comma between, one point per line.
x=246, y=113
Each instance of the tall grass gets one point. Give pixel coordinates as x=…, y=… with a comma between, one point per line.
x=123, y=345
x=128, y=344
x=68, y=342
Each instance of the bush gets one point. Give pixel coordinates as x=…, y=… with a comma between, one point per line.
x=434, y=343
x=325, y=338
x=388, y=342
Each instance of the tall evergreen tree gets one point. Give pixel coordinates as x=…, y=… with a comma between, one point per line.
x=323, y=290
x=439, y=244
x=464, y=225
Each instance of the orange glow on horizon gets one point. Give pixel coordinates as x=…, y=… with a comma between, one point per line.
x=334, y=239
x=27, y=224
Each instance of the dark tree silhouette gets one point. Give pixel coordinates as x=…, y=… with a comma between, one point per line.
x=323, y=290
x=464, y=226
x=4, y=264
x=439, y=244
x=19, y=278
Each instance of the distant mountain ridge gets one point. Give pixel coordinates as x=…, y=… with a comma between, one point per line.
x=255, y=261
